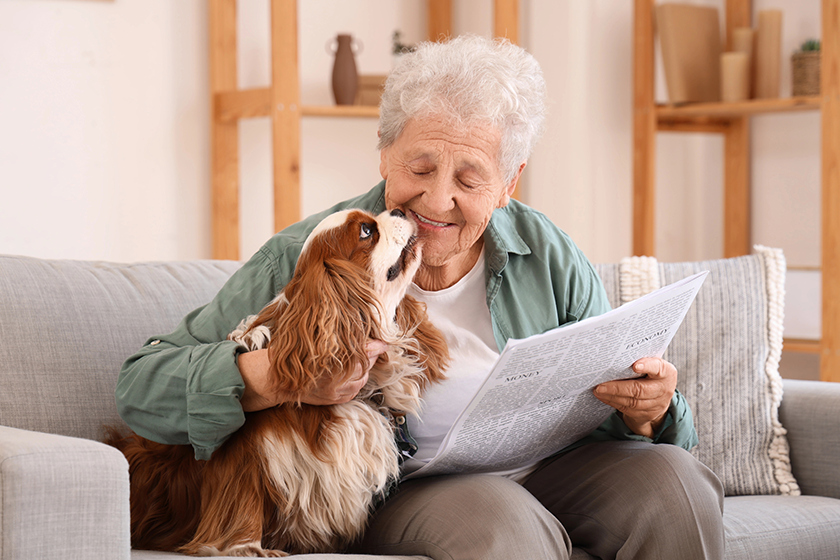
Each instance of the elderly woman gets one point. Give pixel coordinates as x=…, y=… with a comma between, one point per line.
x=458, y=123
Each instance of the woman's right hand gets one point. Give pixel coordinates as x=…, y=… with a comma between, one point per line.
x=255, y=369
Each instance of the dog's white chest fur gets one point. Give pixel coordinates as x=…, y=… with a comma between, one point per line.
x=330, y=494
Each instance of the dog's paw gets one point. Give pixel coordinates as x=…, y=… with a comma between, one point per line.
x=246, y=550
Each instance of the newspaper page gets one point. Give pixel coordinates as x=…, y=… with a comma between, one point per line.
x=538, y=397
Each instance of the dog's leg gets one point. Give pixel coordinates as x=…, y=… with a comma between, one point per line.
x=232, y=508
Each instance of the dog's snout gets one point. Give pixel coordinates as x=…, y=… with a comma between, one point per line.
x=397, y=213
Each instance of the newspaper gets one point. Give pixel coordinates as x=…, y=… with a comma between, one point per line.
x=538, y=397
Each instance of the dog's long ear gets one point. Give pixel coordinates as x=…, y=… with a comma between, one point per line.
x=411, y=315
x=331, y=313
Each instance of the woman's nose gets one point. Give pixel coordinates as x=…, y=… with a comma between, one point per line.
x=438, y=194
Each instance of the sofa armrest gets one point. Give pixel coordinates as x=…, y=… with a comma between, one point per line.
x=62, y=497
x=810, y=412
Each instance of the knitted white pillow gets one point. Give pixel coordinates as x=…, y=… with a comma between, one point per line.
x=727, y=353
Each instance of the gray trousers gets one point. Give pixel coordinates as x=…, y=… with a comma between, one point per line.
x=614, y=500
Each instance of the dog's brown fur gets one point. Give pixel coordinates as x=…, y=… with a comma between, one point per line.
x=299, y=478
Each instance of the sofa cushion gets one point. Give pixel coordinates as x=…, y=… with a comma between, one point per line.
x=61, y=494
x=156, y=555
x=781, y=527
x=67, y=326
x=727, y=353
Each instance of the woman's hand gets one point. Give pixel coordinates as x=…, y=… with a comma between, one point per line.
x=255, y=369
x=642, y=402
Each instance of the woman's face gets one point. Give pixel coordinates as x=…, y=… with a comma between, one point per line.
x=448, y=181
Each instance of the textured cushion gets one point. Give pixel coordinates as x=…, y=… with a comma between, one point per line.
x=67, y=326
x=727, y=353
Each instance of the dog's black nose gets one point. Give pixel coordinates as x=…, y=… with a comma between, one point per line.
x=396, y=212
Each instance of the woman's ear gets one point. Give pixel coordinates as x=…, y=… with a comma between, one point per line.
x=383, y=162
x=507, y=192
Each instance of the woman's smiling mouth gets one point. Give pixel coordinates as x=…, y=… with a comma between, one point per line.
x=427, y=222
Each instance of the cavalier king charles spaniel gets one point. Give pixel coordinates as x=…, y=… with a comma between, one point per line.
x=299, y=478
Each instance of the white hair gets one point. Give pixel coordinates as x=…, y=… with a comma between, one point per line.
x=469, y=80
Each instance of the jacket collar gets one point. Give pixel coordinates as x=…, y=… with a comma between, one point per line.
x=501, y=239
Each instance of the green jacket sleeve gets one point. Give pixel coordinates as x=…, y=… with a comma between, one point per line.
x=184, y=387
x=678, y=428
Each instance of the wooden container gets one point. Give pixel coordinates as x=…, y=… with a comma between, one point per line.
x=806, y=73
x=689, y=37
x=734, y=76
x=768, y=54
x=743, y=40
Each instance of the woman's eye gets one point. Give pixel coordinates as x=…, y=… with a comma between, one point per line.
x=365, y=231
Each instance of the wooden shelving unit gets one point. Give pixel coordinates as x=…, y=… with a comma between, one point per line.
x=733, y=121
x=281, y=102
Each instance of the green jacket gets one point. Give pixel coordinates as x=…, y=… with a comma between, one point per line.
x=184, y=387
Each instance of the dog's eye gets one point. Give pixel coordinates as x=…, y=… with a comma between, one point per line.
x=365, y=231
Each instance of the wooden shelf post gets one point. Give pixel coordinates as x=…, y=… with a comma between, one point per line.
x=285, y=112
x=830, y=93
x=737, y=228
x=644, y=130
x=736, y=189
x=225, y=134
x=506, y=19
x=440, y=19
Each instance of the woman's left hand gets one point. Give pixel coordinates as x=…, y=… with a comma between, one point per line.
x=642, y=402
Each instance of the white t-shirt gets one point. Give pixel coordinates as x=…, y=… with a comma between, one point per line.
x=460, y=312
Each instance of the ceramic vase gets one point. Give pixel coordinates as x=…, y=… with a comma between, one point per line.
x=345, y=80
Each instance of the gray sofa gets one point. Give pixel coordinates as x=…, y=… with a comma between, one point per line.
x=66, y=326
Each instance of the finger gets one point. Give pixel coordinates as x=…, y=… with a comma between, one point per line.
x=653, y=367
x=636, y=389
x=637, y=406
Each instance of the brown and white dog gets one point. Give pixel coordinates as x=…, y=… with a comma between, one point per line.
x=298, y=478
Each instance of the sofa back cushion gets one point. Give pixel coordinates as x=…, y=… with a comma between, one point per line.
x=67, y=326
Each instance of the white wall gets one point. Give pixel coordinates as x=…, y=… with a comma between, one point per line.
x=104, y=150
x=103, y=129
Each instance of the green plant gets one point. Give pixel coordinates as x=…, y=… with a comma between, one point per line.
x=811, y=45
x=398, y=47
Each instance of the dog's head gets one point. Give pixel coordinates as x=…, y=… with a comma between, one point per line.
x=382, y=250
x=350, y=278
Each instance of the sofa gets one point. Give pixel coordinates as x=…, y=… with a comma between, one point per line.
x=66, y=327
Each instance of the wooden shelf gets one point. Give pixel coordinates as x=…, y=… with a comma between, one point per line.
x=732, y=120
x=802, y=345
x=231, y=106
x=738, y=109
x=357, y=111
x=280, y=102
